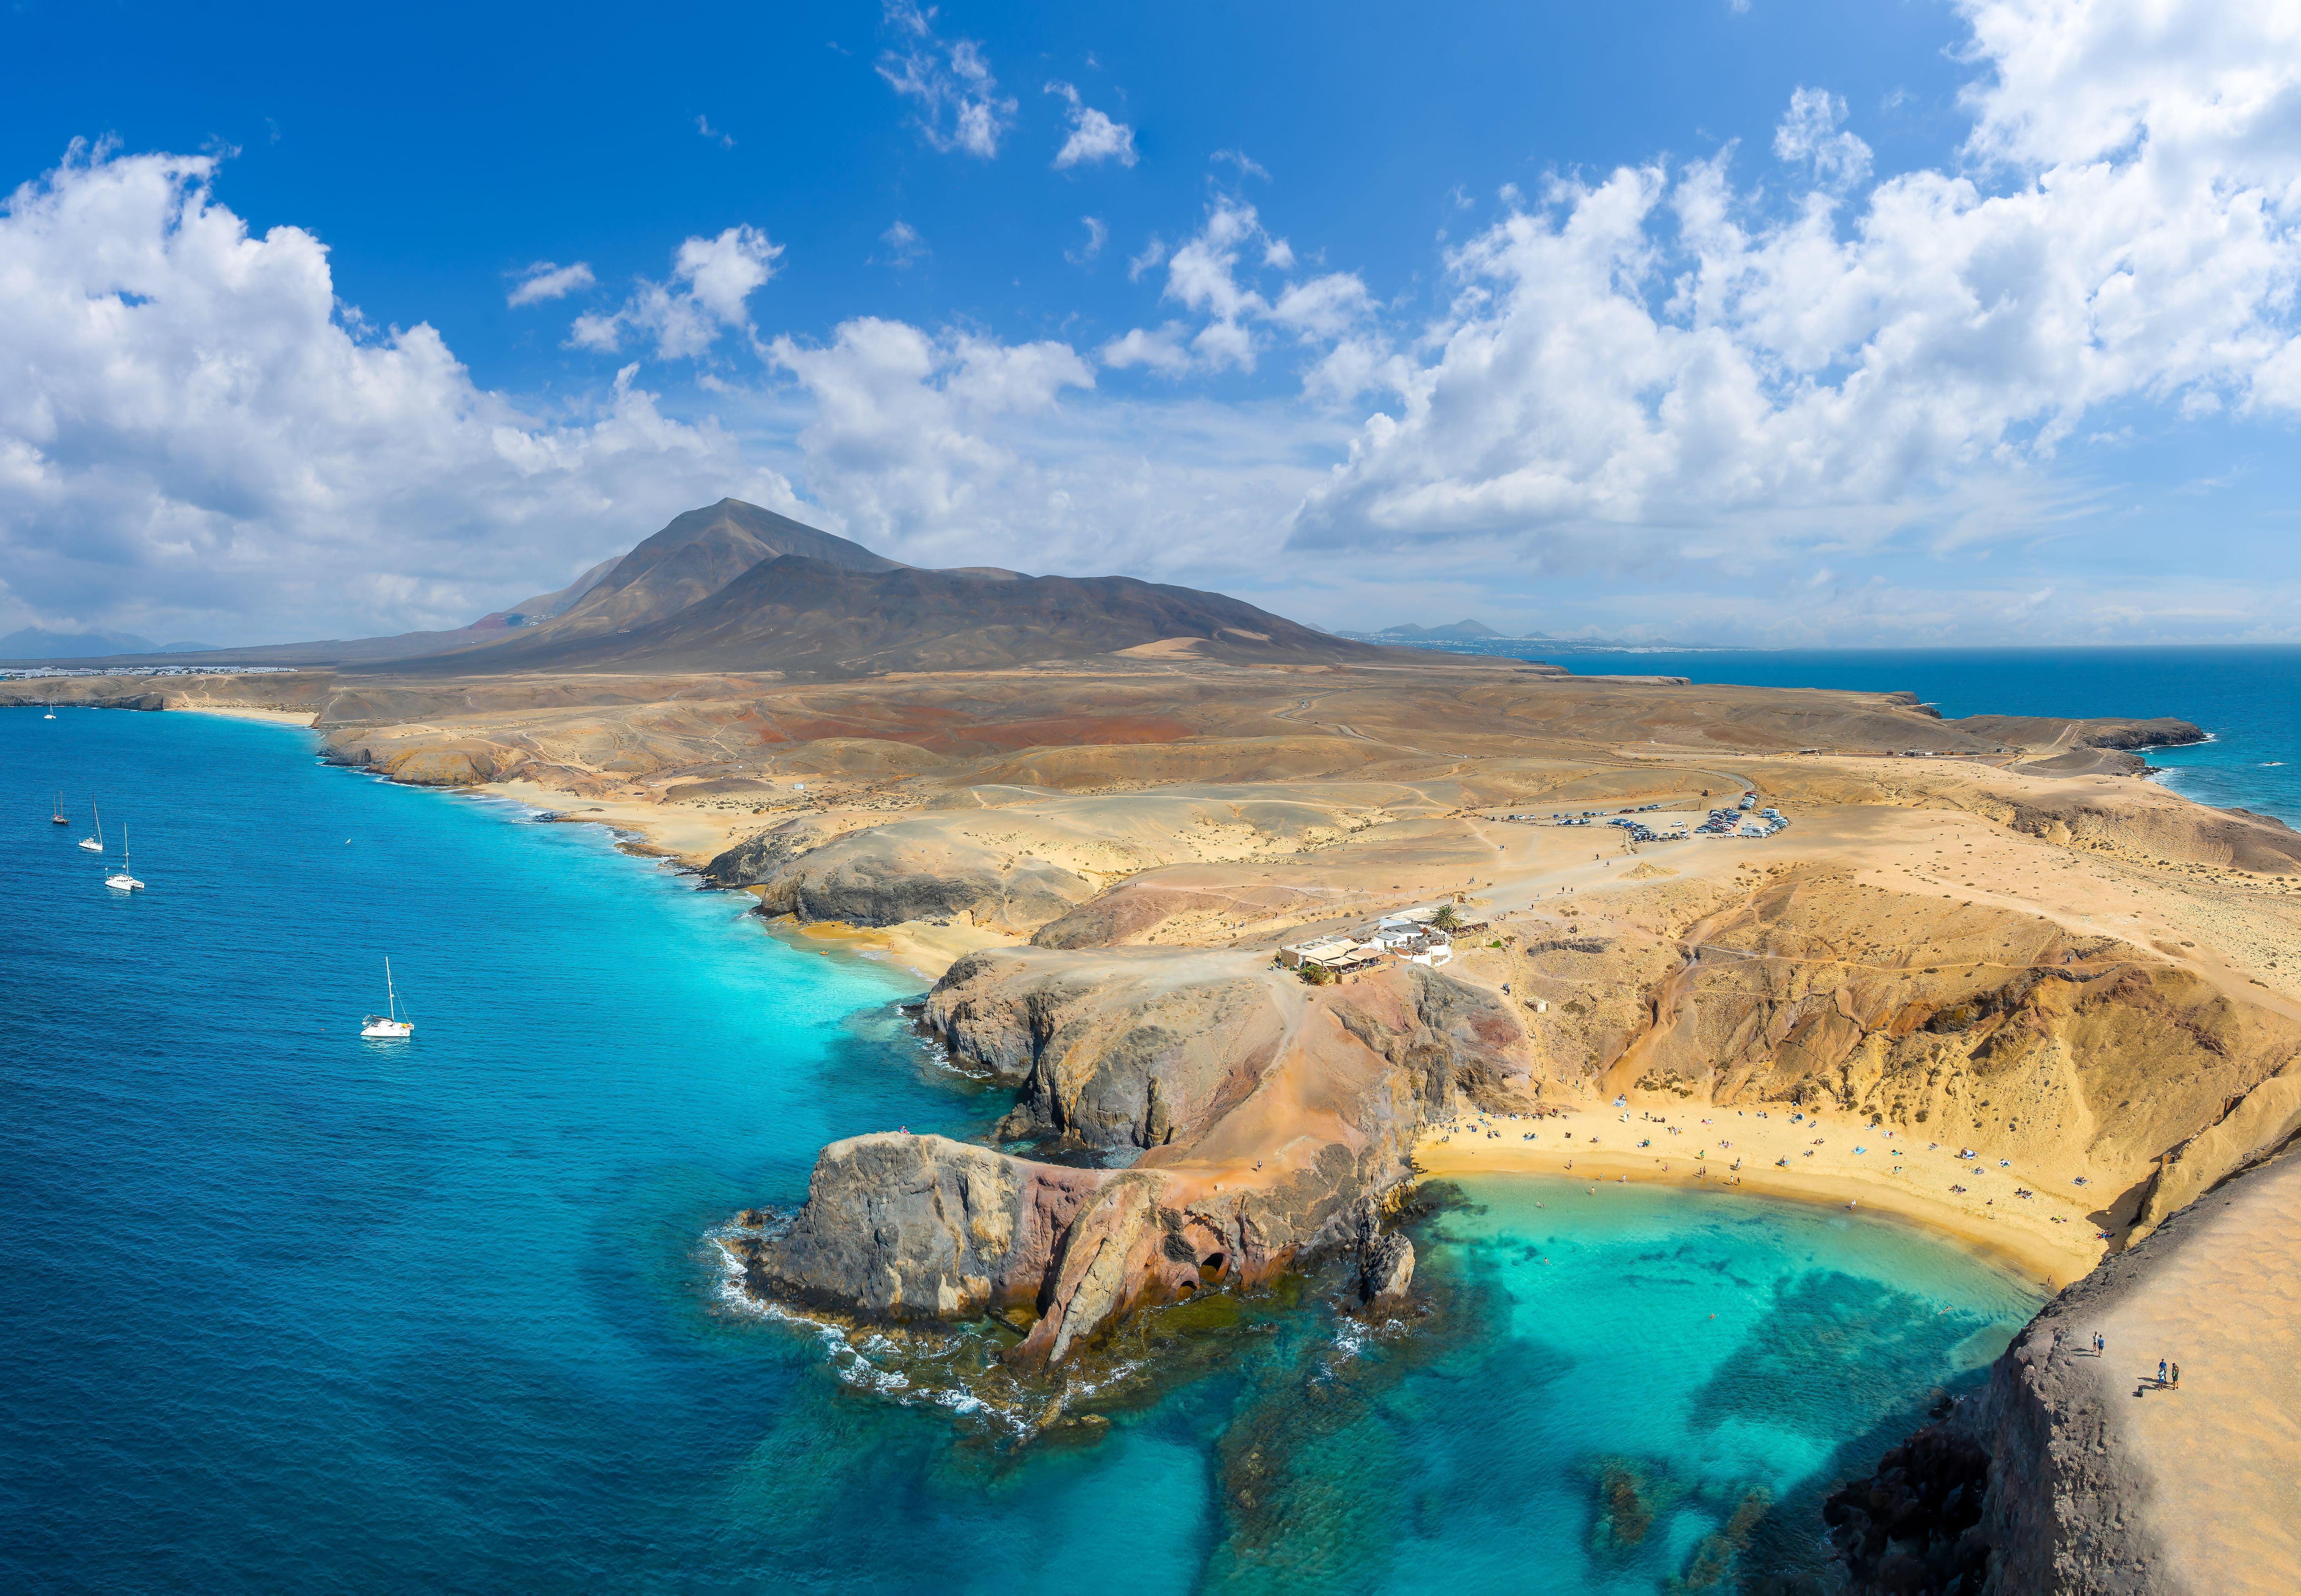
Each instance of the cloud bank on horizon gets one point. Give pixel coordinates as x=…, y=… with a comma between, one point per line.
x=1766, y=395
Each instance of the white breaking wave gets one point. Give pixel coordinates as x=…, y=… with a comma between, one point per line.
x=852, y=1366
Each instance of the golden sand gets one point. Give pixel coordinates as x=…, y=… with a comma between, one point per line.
x=691, y=836
x=2047, y=1235
x=919, y=946
x=250, y=712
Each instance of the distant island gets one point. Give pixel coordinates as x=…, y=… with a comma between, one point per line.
x=1461, y=631
x=1475, y=637
x=38, y=642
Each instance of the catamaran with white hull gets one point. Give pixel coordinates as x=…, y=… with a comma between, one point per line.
x=388, y=1025
x=123, y=879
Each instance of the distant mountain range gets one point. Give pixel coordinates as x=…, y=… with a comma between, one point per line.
x=36, y=642
x=732, y=587
x=1461, y=631
x=1479, y=638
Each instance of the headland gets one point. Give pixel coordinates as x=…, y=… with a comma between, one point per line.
x=1256, y=935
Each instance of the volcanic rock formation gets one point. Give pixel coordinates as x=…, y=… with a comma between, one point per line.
x=1195, y=1059
x=809, y=618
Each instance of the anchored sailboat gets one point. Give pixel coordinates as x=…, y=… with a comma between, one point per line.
x=57, y=817
x=390, y=1023
x=94, y=844
x=122, y=880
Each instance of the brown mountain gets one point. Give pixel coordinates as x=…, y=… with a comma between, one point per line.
x=809, y=618
x=694, y=556
x=732, y=586
x=546, y=606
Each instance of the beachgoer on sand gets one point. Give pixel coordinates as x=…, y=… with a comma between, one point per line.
x=2161, y=1371
x=2176, y=1376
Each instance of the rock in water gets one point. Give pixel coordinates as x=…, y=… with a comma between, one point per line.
x=1198, y=1062
x=922, y=1227
x=1387, y=1269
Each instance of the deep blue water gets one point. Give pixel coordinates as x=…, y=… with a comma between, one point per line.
x=284, y=1310
x=2248, y=699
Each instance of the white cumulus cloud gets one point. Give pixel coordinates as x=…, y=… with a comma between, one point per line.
x=905, y=247
x=900, y=442
x=1161, y=349
x=1094, y=138
x=1653, y=359
x=1097, y=235
x=1206, y=275
x=959, y=106
x=712, y=281
x=547, y=280
x=196, y=441
x=1810, y=134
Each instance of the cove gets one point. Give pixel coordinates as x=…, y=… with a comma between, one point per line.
x=286, y=1310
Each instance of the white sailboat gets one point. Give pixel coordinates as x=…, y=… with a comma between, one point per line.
x=122, y=880
x=388, y=1024
x=94, y=844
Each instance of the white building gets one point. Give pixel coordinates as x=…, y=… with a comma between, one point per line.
x=1332, y=953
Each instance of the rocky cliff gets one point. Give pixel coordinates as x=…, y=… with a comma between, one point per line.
x=884, y=876
x=1261, y=1126
x=1134, y=1049
x=2078, y=1471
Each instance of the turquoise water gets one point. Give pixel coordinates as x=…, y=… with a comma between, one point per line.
x=2247, y=699
x=280, y=1309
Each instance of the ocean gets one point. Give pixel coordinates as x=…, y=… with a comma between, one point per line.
x=2248, y=699
x=281, y=1309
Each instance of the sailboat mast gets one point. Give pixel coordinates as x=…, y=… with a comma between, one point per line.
x=390, y=992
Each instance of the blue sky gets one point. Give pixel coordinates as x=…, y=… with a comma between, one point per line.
x=1800, y=324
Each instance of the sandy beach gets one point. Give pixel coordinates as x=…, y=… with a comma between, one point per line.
x=691, y=836
x=2047, y=1235
x=249, y=712
x=919, y=946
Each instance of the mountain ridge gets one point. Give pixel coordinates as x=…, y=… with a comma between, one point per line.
x=38, y=642
x=732, y=587
x=808, y=618
x=1464, y=630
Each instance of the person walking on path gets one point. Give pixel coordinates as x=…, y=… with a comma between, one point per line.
x=2099, y=1345
x=2161, y=1371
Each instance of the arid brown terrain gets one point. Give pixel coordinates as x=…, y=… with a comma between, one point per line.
x=2072, y=969
x=1990, y=935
